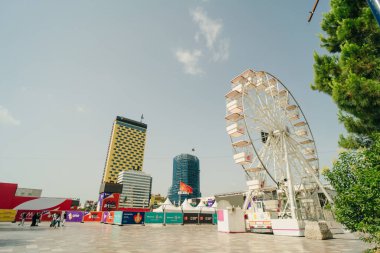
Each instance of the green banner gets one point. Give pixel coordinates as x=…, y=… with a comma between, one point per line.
x=173, y=218
x=151, y=217
x=215, y=218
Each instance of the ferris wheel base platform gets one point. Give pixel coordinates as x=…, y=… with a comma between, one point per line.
x=288, y=227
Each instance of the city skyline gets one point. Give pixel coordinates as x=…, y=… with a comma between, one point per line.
x=67, y=72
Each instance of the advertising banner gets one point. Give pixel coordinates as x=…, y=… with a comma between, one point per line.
x=205, y=218
x=7, y=215
x=74, y=216
x=133, y=218
x=48, y=215
x=214, y=218
x=92, y=216
x=110, y=217
x=103, y=195
x=104, y=217
x=154, y=218
x=190, y=218
x=117, y=218
x=173, y=218
x=111, y=203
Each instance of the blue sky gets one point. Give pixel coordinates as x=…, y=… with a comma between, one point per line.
x=67, y=68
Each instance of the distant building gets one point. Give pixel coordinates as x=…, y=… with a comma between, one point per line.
x=156, y=200
x=126, y=148
x=27, y=192
x=185, y=169
x=137, y=187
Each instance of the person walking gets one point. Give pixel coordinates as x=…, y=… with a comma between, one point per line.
x=57, y=220
x=53, y=220
x=34, y=220
x=64, y=217
x=23, y=217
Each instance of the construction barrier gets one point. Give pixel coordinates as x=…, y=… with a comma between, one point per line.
x=154, y=218
x=92, y=216
x=7, y=215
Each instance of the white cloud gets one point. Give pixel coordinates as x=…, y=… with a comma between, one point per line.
x=6, y=117
x=190, y=60
x=210, y=30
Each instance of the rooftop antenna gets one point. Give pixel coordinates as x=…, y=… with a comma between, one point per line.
x=312, y=12
x=142, y=117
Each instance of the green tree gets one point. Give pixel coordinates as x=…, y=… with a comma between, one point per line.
x=356, y=178
x=350, y=71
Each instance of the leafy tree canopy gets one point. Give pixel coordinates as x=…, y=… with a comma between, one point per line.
x=356, y=178
x=350, y=72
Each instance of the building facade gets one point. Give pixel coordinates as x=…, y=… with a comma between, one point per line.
x=137, y=187
x=185, y=169
x=126, y=148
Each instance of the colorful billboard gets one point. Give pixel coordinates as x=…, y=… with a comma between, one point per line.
x=92, y=216
x=7, y=215
x=118, y=216
x=154, y=218
x=74, y=216
x=173, y=218
x=104, y=217
x=111, y=202
x=133, y=218
x=110, y=216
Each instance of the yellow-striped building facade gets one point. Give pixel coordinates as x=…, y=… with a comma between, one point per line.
x=126, y=148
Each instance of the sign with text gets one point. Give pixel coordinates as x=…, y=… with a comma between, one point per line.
x=190, y=218
x=133, y=218
x=111, y=203
x=74, y=216
x=92, y=216
x=154, y=218
x=173, y=218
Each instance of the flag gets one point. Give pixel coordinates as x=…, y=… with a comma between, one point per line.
x=185, y=188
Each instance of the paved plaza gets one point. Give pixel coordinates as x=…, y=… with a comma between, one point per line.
x=157, y=238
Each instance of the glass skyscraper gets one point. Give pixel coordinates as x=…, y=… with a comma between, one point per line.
x=185, y=169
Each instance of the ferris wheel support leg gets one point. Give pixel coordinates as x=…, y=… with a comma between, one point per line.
x=290, y=183
x=309, y=170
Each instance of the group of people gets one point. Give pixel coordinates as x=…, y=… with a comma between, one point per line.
x=36, y=219
x=57, y=219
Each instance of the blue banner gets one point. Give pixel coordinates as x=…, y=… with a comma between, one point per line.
x=133, y=218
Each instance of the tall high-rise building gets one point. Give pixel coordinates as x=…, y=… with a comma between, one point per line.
x=126, y=148
x=137, y=187
x=186, y=170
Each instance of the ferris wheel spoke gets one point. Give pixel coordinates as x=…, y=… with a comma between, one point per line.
x=263, y=112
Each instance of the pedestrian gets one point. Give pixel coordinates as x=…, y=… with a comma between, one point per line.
x=53, y=220
x=38, y=218
x=57, y=220
x=23, y=217
x=64, y=217
x=34, y=220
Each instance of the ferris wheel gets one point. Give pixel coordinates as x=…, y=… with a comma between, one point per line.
x=273, y=143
